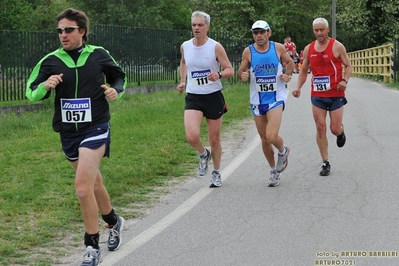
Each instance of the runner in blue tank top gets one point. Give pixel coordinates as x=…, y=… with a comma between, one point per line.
x=262, y=63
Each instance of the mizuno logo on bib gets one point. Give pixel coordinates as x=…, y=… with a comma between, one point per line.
x=200, y=77
x=76, y=110
x=321, y=83
x=266, y=83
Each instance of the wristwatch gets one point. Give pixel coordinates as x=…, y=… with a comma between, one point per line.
x=345, y=81
x=220, y=74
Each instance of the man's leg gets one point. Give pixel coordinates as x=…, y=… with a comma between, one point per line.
x=102, y=197
x=87, y=170
x=192, y=124
x=261, y=123
x=274, y=117
x=267, y=148
x=336, y=121
x=319, y=116
x=214, y=131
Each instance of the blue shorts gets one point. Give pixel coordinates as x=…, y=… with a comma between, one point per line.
x=93, y=138
x=329, y=103
x=261, y=109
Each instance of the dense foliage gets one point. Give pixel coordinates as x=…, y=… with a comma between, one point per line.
x=360, y=24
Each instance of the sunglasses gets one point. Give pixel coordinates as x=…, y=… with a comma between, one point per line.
x=68, y=29
x=255, y=32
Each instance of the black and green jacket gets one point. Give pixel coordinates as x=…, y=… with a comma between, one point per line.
x=83, y=79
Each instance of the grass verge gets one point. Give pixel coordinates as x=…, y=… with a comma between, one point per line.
x=38, y=206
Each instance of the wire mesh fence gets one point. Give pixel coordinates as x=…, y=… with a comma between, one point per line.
x=148, y=56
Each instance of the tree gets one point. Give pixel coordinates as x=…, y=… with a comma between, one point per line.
x=286, y=18
x=46, y=13
x=383, y=20
x=156, y=14
x=360, y=24
x=16, y=15
x=178, y=17
x=365, y=24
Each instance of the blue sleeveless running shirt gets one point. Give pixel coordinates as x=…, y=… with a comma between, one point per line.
x=266, y=85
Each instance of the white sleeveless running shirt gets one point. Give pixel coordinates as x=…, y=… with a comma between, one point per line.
x=200, y=62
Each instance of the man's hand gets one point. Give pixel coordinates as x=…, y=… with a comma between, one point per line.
x=110, y=93
x=286, y=78
x=296, y=93
x=341, y=86
x=53, y=81
x=245, y=75
x=181, y=87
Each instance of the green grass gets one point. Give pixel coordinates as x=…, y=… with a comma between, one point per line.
x=394, y=85
x=14, y=103
x=38, y=206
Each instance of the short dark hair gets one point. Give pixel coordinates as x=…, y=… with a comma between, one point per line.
x=79, y=17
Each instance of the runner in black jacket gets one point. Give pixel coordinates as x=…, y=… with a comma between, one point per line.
x=81, y=78
x=78, y=73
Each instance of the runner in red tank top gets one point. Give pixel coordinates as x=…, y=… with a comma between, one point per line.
x=326, y=67
x=326, y=56
x=290, y=47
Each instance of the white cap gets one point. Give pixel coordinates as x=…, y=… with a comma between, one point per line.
x=260, y=24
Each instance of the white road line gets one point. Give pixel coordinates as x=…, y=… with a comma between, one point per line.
x=177, y=213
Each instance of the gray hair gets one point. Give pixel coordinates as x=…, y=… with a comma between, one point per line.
x=202, y=14
x=320, y=21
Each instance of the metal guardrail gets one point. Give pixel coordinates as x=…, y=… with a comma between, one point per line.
x=396, y=61
x=377, y=62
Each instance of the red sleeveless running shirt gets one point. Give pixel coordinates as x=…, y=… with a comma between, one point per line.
x=326, y=71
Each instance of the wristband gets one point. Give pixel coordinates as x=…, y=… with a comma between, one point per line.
x=345, y=81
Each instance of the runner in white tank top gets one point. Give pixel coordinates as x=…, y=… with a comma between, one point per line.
x=203, y=63
x=200, y=62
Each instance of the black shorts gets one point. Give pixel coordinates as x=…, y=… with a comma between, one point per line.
x=329, y=103
x=211, y=105
x=93, y=138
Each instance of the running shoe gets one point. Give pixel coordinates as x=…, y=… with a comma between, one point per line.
x=203, y=163
x=325, y=169
x=114, y=239
x=216, y=180
x=282, y=161
x=92, y=257
x=274, y=180
x=341, y=139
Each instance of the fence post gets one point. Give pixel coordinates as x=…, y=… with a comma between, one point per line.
x=395, y=60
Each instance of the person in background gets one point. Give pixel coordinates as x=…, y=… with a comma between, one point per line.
x=296, y=62
x=200, y=66
x=326, y=56
x=261, y=63
x=75, y=73
x=301, y=62
x=290, y=47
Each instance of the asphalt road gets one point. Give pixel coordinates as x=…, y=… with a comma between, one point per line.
x=348, y=218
